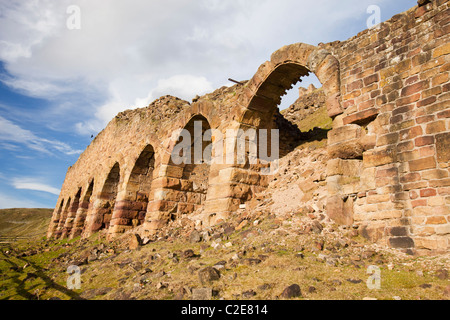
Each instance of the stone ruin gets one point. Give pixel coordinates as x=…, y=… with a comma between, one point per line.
x=385, y=89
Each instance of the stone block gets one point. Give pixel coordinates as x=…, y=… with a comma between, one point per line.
x=202, y=294
x=334, y=107
x=345, y=142
x=436, y=220
x=414, y=88
x=442, y=147
x=171, y=171
x=401, y=242
x=379, y=157
x=435, y=127
x=347, y=150
x=422, y=164
x=371, y=79
x=434, y=174
x=398, y=231
x=334, y=186
x=361, y=117
x=245, y=176
x=339, y=210
x=442, y=50
x=443, y=229
x=428, y=192
x=222, y=205
x=344, y=167
x=374, y=232
x=345, y=133
x=367, y=181
x=431, y=243
x=166, y=182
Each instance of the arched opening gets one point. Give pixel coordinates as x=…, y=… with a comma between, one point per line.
x=304, y=119
x=55, y=220
x=307, y=84
x=62, y=220
x=130, y=212
x=107, y=200
x=72, y=214
x=83, y=209
x=192, y=154
x=305, y=122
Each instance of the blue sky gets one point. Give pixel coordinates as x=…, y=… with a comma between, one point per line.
x=59, y=85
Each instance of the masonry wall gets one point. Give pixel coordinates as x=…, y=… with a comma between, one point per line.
x=390, y=172
x=387, y=91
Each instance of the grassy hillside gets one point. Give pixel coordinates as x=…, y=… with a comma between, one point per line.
x=24, y=222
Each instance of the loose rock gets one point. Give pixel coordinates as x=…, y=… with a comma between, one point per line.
x=293, y=291
x=135, y=242
x=202, y=294
x=208, y=274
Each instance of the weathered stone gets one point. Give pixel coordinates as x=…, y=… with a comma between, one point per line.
x=195, y=236
x=202, y=294
x=345, y=142
x=401, y=242
x=293, y=291
x=248, y=294
x=375, y=158
x=387, y=103
x=442, y=149
x=135, y=242
x=423, y=2
x=442, y=274
x=339, y=210
x=354, y=281
x=242, y=225
x=188, y=254
x=447, y=291
x=208, y=274
x=251, y=261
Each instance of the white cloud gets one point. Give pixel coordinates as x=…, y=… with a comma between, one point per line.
x=182, y=86
x=35, y=87
x=33, y=184
x=127, y=52
x=8, y=202
x=12, y=134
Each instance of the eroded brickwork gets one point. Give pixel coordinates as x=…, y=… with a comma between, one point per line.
x=386, y=90
x=390, y=172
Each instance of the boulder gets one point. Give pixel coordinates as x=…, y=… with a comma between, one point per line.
x=208, y=274
x=293, y=291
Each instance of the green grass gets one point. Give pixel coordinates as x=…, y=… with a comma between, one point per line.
x=45, y=275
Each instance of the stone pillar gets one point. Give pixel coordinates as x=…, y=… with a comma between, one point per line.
x=80, y=220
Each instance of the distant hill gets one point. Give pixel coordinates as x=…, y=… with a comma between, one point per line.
x=24, y=223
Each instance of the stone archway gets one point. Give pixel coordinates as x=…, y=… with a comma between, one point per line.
x=261, y=97
x=287, y=65
x=82, y=211
x=130, y=211
x=68, y=224
x=182, y=184
x=55, y=219
x=194, y=168
x=104, y=205
x=62, y=220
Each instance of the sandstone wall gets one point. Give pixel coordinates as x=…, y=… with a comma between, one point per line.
x=390, y=172
x=386, y=90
